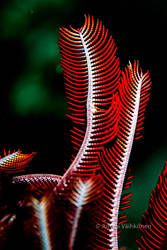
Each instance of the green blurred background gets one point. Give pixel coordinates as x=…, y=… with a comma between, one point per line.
x=33, y=104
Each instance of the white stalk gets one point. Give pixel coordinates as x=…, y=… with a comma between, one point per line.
x=124, y=164
x=43, y=224
x=90, y=110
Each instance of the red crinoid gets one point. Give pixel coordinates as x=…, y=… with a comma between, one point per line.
x=107, y=108
x=154, y=225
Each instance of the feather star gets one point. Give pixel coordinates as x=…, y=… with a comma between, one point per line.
x=107, y=107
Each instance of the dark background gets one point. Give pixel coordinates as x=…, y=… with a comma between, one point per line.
x=32, y=98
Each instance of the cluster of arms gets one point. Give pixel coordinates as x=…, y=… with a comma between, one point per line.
x=83, y=208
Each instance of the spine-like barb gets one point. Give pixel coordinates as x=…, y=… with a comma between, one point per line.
x=114, y=161
x=154, y=224
x=92, y=75
x=15, y=162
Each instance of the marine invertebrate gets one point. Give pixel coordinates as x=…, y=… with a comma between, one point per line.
x=15, y=162
x=107, y=109
x=118, y=100
x=153, y=235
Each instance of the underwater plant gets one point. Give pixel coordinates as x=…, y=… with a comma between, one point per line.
x=107, y=107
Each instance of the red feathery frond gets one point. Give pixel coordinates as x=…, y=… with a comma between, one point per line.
x=92, y=75
x=144, y=97
x=91, y=68
x=82, y=196
x=154, y=224
x=99, y=133
x=135, y=88
x=38, y=183
x=114, y=160
x=38, y=222
x=15, y=162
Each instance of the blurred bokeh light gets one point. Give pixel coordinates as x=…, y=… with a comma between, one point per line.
x=42, y=47
x=30, y=96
